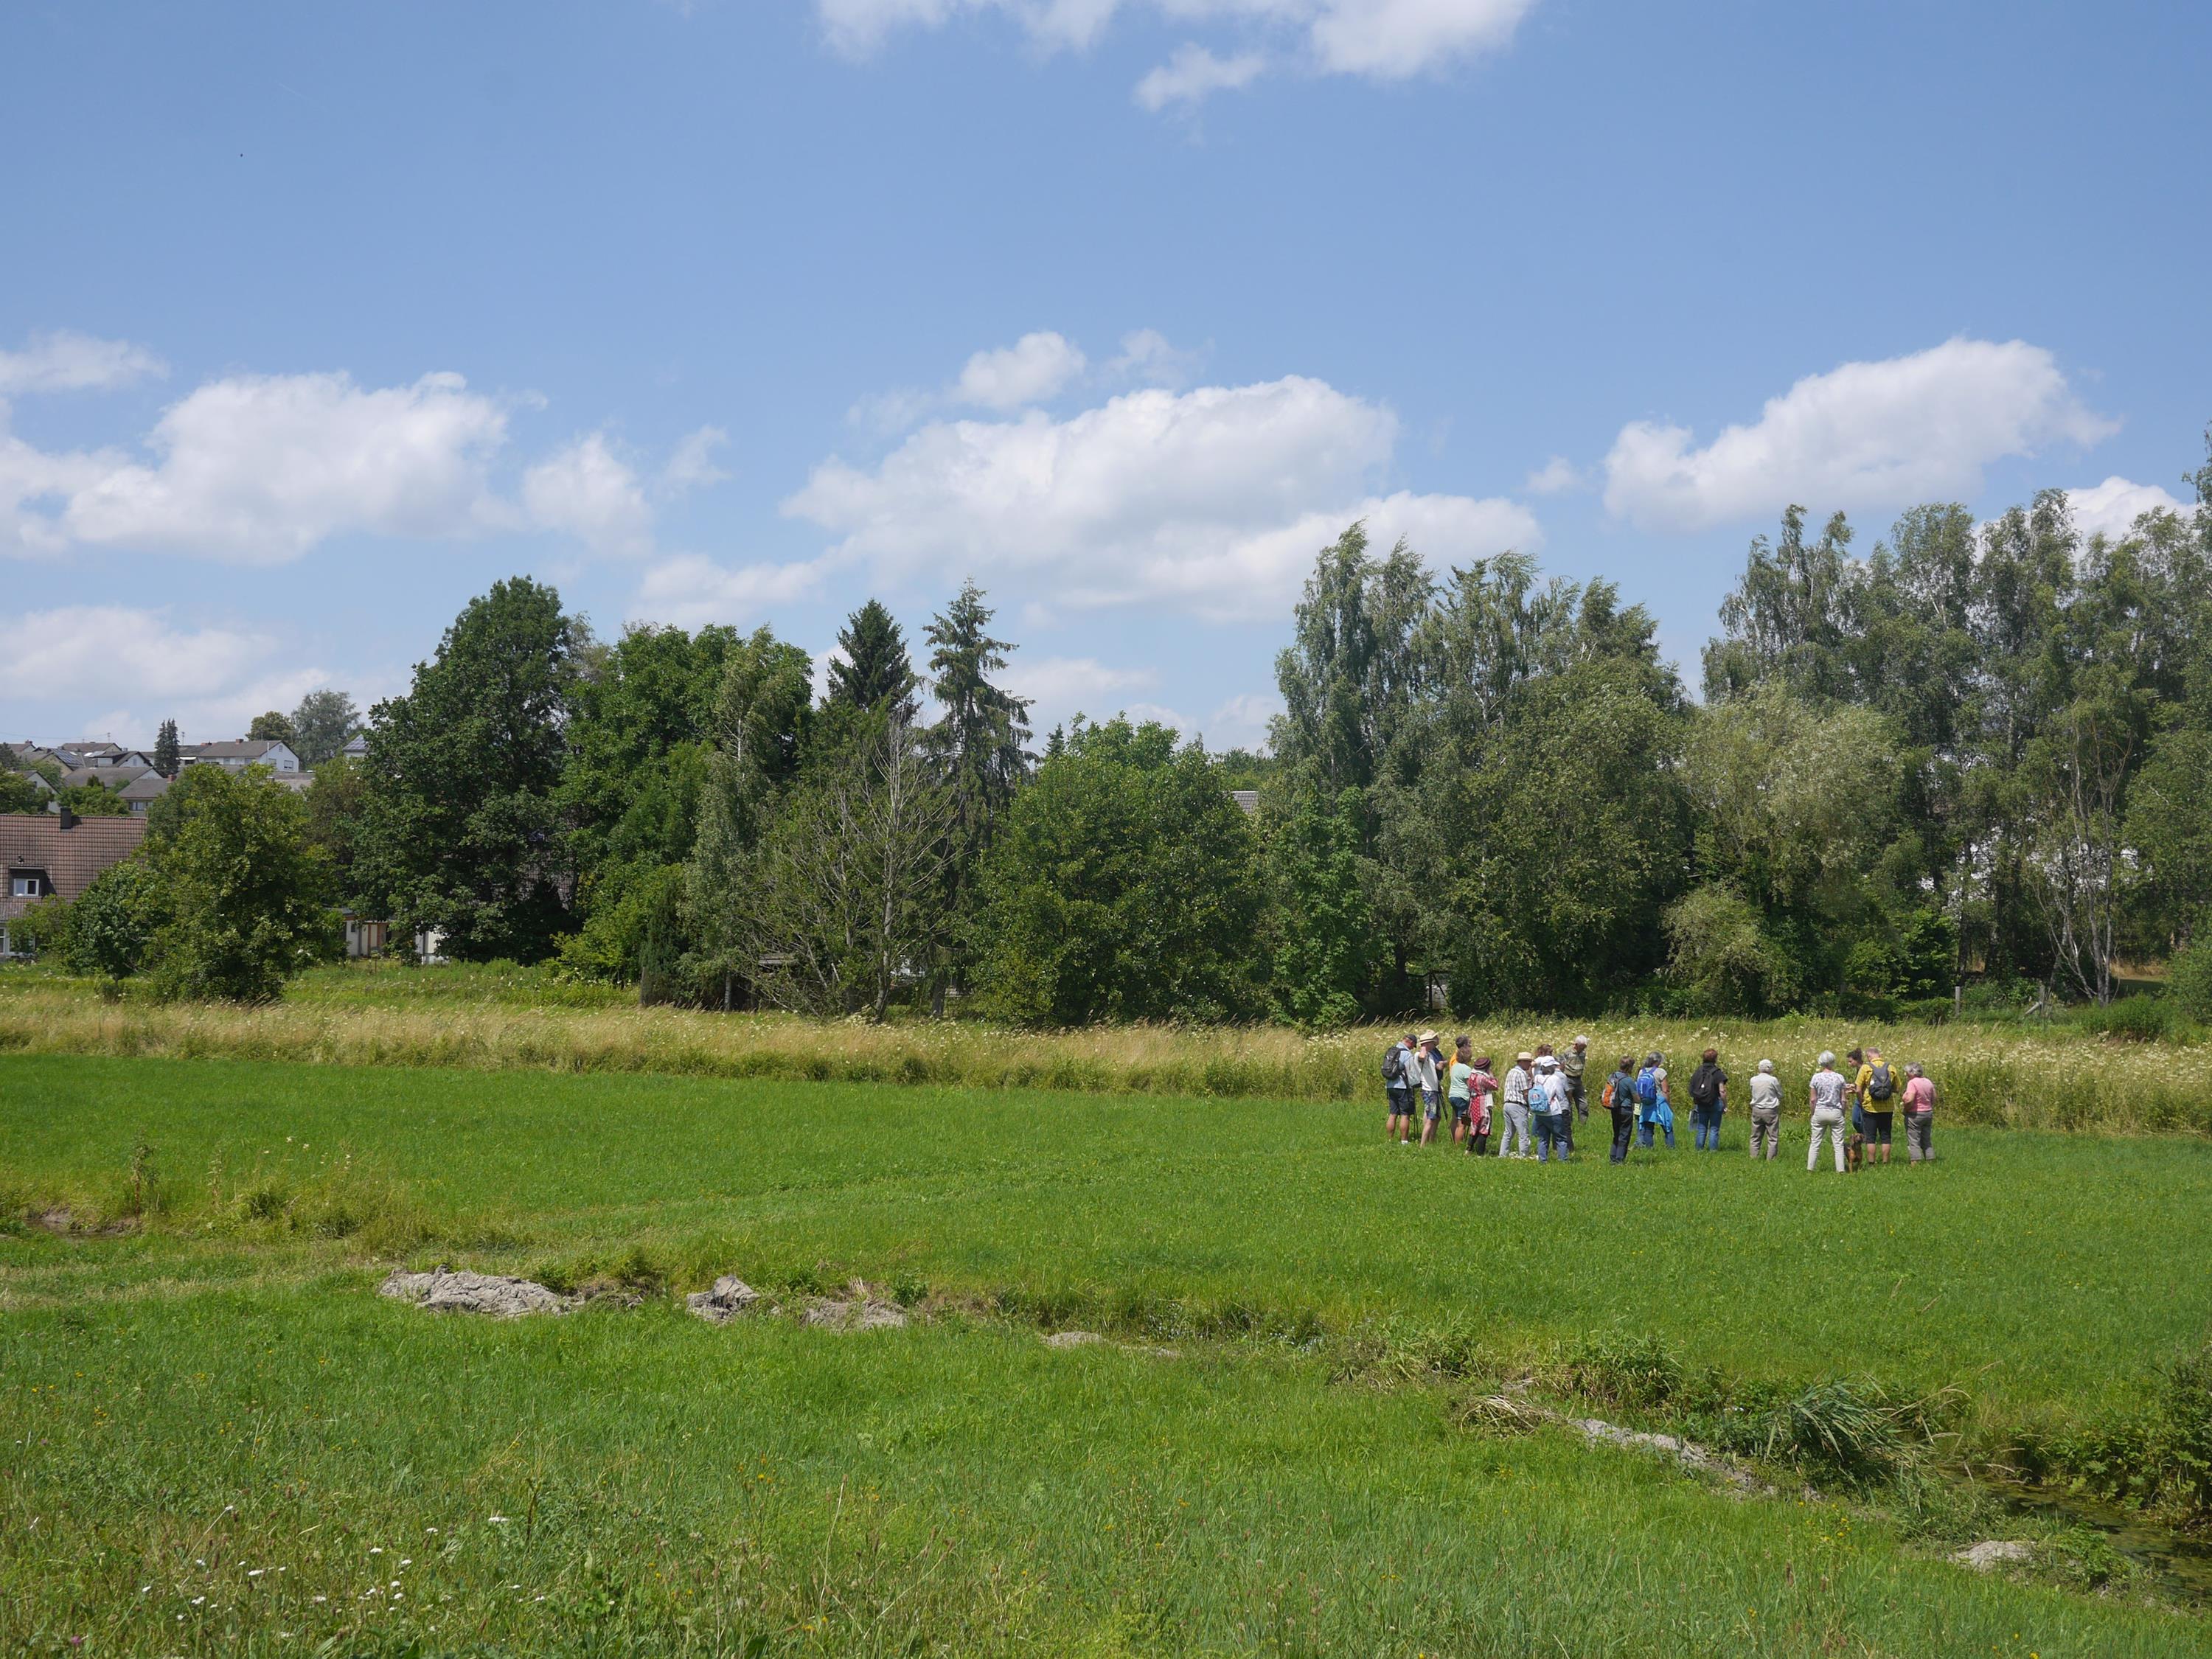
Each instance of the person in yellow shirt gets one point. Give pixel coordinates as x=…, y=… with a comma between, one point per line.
x=1873, y=1098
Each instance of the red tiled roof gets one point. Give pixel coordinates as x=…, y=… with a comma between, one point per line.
x=70, y=858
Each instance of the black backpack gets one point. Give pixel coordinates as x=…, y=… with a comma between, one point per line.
x=1393, y=1066
x=1705, y=1084
x=1879, y=1083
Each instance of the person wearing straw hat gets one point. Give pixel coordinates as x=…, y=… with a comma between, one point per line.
x=1427, y=1068
x=1519, y=1082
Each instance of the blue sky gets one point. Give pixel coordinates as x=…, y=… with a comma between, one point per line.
x=317, y=320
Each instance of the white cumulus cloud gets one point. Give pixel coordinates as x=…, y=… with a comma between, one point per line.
x=2110, y=509
x=1194, y=73
x=1034, y=369
x=691, y=590
x=1865, y=435
x=692, y=467
x=258, y=469
x=588, y=491
x=65, y=361
x=1215, y=498
x=1381, y=39
x=262, y=469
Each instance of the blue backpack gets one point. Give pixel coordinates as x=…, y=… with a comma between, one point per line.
x=1647, y=1087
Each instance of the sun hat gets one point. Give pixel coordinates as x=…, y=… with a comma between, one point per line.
x=1767, y=1066
x=1827, y=1057
x=1426, y=1036
x=1525, y=1058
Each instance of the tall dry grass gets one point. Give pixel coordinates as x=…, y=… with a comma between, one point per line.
x=2027, y=1079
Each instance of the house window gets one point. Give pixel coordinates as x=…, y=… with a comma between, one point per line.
x=26, y=887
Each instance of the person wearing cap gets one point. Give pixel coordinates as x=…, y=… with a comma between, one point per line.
x=1825, y=1095
x=1519, y=1082
x=1398, y=1083
x=1554, y=1111
x=1765, y=1111
x=1428, y=1069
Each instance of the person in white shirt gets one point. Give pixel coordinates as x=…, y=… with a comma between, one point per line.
x=1825, y=1093
x=1553, y=1108
x=1765, y=1111
x=1519, y=1082
x=1428, y=1069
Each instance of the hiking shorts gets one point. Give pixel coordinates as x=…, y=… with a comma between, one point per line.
x=1433, y=1099
x=1878, y=1126
x=1402, y=1101
x=1461, y=1113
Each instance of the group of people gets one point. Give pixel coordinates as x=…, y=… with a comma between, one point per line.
x=1542, y=1097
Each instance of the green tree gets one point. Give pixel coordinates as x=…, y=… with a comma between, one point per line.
x=847, y=891
x=979, y=747
x=111, y=927
x=1789, y=615
x=17, y=792
x=874, y=671
x=248, y=892
x=640, y=741
x=462, y=827
x=1719, y=955
x=94, y=800
x=1328, y=948
x=763, y=727
x=1564, y=841
x=1124, y=886
x=167, y=756
x=335, y=801
x=273, y=727
x=321, y=725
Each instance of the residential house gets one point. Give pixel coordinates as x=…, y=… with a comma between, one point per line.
x=56, y=855
x=238, y=755
x=143, y=791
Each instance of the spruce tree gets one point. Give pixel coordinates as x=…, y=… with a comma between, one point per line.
x=166, y=755
x=875, y=671
x=978, y=750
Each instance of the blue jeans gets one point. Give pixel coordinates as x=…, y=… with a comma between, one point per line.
x=1551, y=1133
x=1643, y=1133
x=1707, y=1119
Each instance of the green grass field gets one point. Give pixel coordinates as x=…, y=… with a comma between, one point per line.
x=215, y=1405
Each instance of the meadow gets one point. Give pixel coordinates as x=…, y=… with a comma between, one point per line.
x=2013, y=1072
x=211, y=1420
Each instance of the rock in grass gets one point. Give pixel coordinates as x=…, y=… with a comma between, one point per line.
x=731, y=1297
x=1072, y=1338
x=861, y=1313
x=442, y=1291
x=1990, y=1553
